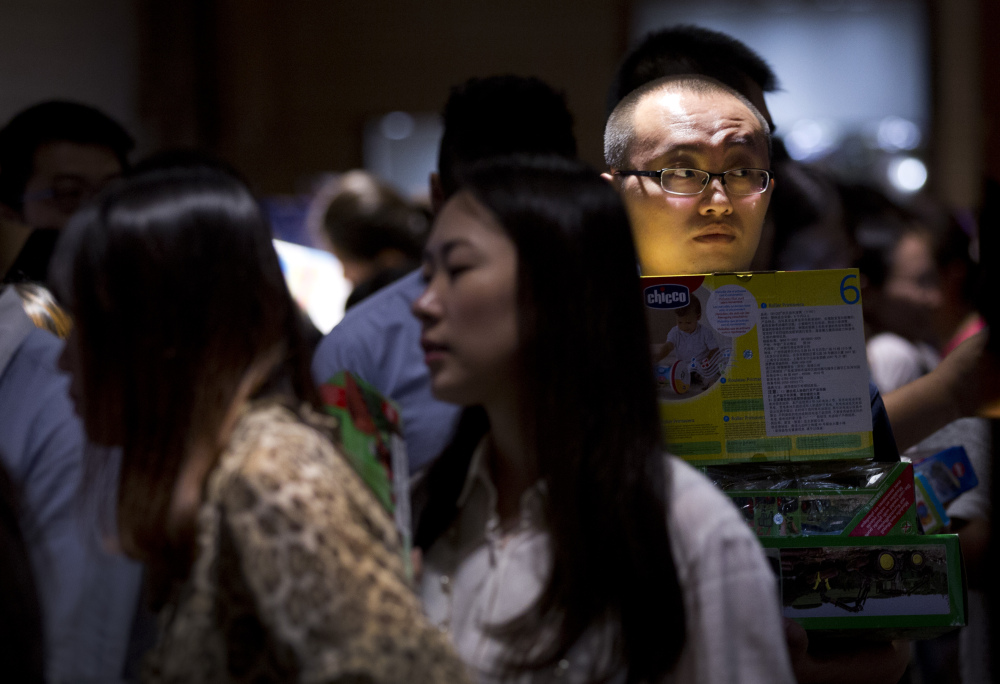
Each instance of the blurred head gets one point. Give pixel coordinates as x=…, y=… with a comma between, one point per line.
x=685, y=50
x=178, y=304
x=900, y=287
x=908, y=298
x=689, y=123
x=496, y=116
x=532, y=295
x=370, y=227
x=54, y=156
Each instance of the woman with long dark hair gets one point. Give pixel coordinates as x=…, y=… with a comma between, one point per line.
x=268, y=556
x=558, y=540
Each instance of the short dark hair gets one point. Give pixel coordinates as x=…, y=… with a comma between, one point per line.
x=605, y=473
x=686, y=49
x=619, y=130
x=501, y=115
x=178, y=299
x=52, y=121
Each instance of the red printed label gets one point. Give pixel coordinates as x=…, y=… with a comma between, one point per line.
x=888, y=510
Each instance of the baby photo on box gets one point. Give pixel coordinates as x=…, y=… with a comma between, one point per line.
x=688, y=354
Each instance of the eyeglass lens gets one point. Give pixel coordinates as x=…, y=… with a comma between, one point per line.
x=693, y=181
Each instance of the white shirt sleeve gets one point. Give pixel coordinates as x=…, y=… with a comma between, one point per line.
x=735, y=631
x=895, y=362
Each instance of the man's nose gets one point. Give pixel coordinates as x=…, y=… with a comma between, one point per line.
x=715, y=200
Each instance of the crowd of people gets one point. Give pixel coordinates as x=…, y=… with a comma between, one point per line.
x=176, y=505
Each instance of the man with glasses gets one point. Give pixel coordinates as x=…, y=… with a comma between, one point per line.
x=53, y=157
x=691, y=158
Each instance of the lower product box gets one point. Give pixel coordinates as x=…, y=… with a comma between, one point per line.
x=843, y=498
x=892, y=587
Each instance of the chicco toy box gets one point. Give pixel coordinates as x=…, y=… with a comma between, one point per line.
x=760, y=367
x=841, y=498
x=894, y=587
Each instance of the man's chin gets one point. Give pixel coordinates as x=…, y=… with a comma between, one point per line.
x=711, y=257
x=720, y=258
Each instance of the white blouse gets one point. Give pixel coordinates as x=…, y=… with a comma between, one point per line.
x=475, y=577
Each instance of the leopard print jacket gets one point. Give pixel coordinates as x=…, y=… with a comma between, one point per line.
x=297, y=575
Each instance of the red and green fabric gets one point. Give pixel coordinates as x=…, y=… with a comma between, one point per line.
x=368, y=422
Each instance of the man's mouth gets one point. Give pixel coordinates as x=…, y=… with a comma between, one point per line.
x=715, y=238
x=716, y=235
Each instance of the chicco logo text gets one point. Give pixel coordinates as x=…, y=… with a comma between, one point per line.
x=666, y=296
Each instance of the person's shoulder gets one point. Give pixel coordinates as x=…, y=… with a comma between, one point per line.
x=889, y=342
x=275, y=454
x=270, y=435
x=890, y=348
x=41, y=349
x=387, y=306
x=699, y=512
x=33, y=377
x=690, y=490
x=369, y=330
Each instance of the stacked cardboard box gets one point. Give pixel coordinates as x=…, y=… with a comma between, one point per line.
x=764, y=383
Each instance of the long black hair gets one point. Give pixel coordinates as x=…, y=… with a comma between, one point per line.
x=177, y=294
x=589, y=410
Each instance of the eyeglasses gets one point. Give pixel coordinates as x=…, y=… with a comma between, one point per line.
x=694, y=181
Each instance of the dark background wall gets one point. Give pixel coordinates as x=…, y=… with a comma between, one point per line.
x=295, y=80
x=282, y=89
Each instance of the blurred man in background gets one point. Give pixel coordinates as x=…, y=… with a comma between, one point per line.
x=53, y=157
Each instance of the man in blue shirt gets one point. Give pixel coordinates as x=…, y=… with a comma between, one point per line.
x=379, y=339
x=88, y=596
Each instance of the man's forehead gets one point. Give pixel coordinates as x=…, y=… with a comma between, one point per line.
x=685, y=121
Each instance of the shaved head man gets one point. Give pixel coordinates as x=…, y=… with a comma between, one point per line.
x=691, y=158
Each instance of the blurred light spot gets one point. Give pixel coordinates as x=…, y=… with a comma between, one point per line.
x=895, y=133
x=809, y=139
x=397, y=125
x=907, y=174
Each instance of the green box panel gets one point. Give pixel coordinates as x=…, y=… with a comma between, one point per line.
x=695, y=448
x=758, y=446
x=740, y=405
x=829, y=442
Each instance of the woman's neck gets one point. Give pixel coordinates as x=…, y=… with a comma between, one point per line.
x=512, y=466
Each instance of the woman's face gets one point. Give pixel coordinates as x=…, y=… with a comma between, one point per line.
x=911, y=291
x=469, y=310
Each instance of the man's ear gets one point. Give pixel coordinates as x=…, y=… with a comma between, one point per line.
x=437, y=193
x=608, y=177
